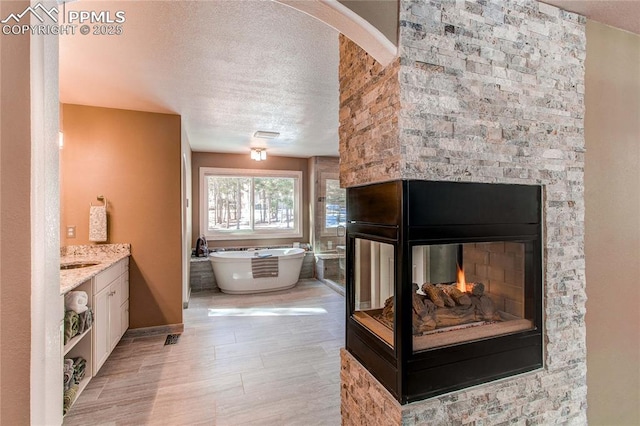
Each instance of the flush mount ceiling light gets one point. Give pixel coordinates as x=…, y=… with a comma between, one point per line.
x=266, y=135
x=258, y=154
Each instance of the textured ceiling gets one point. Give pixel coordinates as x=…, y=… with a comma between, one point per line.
x=232, y=67
x=229, y=68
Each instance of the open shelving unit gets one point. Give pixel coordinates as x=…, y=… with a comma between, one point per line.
x=81, y=345
x=74, y=341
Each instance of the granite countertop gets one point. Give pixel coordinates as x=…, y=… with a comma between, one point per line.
x=105, y=255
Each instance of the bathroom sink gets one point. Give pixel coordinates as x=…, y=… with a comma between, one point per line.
x=66, y=266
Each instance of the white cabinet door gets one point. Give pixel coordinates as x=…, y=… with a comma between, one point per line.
x=111, y=311
x=124, y=301
x=124, y=317
x=101, y=338
x=114, y=313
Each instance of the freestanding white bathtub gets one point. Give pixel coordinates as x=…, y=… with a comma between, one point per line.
x=234, y=273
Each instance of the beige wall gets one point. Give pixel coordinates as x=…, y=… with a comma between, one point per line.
x=15, y=225
x=242, y=161
x=133, y=159
x=382, y=14
x=612, y=181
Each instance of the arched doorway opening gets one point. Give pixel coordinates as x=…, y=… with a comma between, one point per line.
x=380, y=49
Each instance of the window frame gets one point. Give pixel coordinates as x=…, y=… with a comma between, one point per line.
x=295, y=232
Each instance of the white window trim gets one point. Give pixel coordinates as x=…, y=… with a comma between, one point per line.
x=249, y=235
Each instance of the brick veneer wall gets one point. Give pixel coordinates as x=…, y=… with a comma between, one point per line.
x=369, y=105
x=491, y=91
x=364, y=400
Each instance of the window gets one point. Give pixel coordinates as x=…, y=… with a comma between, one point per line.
x=250, y=204
x=335, y=210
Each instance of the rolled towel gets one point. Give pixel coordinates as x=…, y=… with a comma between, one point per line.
x=85, y=320
x=71, y=321
x=68, y=374
x=82, y=324
x=79, y=367
x=68, y=398
x=76, y=301
x=89, y=318
x=68, y=381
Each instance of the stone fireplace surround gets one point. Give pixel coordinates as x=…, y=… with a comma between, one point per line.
x=488, y=91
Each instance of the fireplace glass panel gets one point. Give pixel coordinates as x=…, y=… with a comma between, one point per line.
x=465, y=292
x=374, y=277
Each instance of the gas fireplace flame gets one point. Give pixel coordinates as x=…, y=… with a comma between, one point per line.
x=462, y=283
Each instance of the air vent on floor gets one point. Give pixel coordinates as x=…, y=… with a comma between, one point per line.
x=172, y=339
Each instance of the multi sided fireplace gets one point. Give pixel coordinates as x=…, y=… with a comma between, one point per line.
x=444, y=283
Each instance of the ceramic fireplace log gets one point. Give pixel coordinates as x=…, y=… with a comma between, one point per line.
x=448, y=317
x=484, y=307
x=424, y=311
x=477, y=289
x=458, y=296
x=428, y=316
x=436, y=295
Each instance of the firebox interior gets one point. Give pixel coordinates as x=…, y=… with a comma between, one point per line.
x=444, y=283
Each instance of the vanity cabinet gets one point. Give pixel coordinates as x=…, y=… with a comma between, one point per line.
x=111, y=310
x=108, y=297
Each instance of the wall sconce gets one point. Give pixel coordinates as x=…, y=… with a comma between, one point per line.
x=258, y=154
x=60, y=140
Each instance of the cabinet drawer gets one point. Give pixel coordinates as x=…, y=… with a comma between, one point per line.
x=104, y=278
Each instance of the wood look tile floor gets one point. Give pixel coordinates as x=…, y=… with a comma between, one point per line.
x=278, y=366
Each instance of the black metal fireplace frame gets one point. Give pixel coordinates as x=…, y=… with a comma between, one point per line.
x=405, y=213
